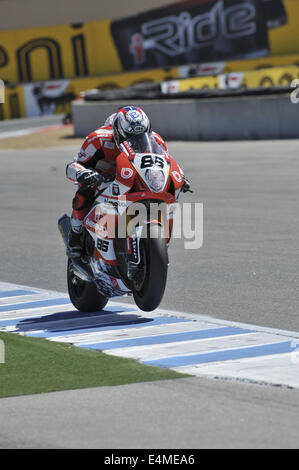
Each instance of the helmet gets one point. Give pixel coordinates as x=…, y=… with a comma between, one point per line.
x=128, y=121
x=109, y=120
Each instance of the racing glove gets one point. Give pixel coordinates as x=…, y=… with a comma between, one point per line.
x=89, y=178
x=186, y=185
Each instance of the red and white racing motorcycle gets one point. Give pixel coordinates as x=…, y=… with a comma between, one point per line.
x=127, y=231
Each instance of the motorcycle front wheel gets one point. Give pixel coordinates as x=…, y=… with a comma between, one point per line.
x=84, y=295
x=150, y=283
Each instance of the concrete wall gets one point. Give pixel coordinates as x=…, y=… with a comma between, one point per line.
x=271, y=117
x=17, y=14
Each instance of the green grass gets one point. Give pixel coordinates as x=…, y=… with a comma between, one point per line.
x=34, y=365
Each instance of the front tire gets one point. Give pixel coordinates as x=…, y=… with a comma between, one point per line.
x=148, y=292
x=84, y=295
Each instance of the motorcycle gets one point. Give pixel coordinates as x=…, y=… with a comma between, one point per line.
x=127, y=231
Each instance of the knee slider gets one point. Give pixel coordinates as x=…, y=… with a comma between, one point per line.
x=80, y=202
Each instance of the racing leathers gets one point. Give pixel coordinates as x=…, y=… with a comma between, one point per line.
x=95, y=161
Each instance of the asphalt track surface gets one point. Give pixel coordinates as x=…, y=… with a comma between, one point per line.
x=30, y=123
x=247, y=268
x=246, y=271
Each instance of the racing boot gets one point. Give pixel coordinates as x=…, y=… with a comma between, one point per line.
x=74, y=249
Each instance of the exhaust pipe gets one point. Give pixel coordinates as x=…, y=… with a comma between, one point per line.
x=80, y=271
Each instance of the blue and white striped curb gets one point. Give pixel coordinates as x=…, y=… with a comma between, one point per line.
x=195, y=344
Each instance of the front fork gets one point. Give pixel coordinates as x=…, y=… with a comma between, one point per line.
x=134, y=237
x=133, y=251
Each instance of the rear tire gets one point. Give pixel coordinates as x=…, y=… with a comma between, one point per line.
x=84, y=295
x=153, y=251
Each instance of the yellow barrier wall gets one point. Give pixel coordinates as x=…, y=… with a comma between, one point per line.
x=57, y=52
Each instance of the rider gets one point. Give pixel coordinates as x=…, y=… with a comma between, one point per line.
x=96, y=160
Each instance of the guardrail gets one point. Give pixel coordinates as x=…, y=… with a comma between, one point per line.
x=263, y=81
x=155, y=91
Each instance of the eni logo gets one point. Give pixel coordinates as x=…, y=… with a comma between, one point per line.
x=27, y=64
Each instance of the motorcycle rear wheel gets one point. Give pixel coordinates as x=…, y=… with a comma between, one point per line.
x=84, y=295
x=149, y=290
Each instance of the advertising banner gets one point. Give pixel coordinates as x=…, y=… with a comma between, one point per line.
x=44, y=98
x=197, y=31
x=185, y=32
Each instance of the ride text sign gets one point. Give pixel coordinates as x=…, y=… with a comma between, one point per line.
x=196, y=31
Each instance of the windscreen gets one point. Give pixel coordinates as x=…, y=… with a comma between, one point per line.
x=144, y=143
